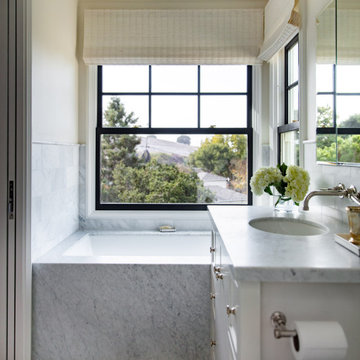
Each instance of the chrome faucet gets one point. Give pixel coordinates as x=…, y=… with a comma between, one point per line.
x=339, y=190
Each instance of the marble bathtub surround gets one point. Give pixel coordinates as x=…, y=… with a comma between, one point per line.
x=119, y=311
x=55, y=194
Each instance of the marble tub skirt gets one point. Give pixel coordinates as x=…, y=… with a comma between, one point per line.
x=123, y=296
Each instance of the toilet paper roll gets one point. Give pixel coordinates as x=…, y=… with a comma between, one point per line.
x=319, y=340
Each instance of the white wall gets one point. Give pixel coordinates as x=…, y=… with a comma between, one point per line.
x=54, y=71
x=55, y=149
x=309, y=11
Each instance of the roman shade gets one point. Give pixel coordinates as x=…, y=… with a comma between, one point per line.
x=174, y=36
x=345, y=34
x=326, y=36
x=282, y=20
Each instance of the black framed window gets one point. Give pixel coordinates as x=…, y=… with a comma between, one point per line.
x=338, y=113
x=173, y=137
x=288, y=133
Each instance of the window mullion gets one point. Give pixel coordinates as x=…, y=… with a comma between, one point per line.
x=110, y=137
x=99, y=97
x=150, y=80
x=198, y=96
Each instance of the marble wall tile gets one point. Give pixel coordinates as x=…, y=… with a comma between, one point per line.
x=82, y=183
x=55, y=195
x=114, y=311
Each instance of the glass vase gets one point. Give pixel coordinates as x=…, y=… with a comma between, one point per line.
x=284, y=204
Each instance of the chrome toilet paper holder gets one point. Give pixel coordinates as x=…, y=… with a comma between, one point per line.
x=278, y=321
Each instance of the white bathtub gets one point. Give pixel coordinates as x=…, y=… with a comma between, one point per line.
x=132, y=248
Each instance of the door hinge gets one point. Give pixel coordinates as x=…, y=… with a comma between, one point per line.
x=11, y=200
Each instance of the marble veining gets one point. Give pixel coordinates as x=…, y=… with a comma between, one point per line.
x=55, y=195
x=114, y=311
x=262, y=256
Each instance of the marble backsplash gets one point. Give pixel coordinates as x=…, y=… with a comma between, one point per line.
x=55, y=195
x=324, y=175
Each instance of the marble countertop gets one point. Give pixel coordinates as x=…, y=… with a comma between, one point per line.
x=261, y=256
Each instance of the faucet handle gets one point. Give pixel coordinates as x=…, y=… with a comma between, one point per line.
x=339, y=187
x=352, y=190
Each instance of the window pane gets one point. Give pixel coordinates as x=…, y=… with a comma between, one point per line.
x=174, y=111
x=290, y=148
x=326, y=147
x=293, y=105
x=325, y=112
x=293, y=64
x=223, y=111
x=174, y=169
x=324, y=78
x=347, y=78
x=348, y=147
x=126, y=111
x=223, y=78
x=125, y=78
x=348, y=111
x=174, y=78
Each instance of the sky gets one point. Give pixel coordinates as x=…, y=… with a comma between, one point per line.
x=347, y=80
x=219, y=111
x=180, y=111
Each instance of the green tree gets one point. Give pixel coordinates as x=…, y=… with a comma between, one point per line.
x=116, y=148
x=213, y=156
x=126, y=178
x=324, y=116
x=184, y=139
x=324, y=142
x=116, y=116
x=158, y=183
x=337, y=148
x=217, y=154
x=326, y=153
x=238, y=145
x=352, y=122
x=224, y=155
x=349, y=148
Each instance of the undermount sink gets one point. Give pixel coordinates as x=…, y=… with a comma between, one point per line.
x=288, y=226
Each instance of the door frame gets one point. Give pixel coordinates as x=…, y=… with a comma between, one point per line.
x=23, y=182
x=3, y=176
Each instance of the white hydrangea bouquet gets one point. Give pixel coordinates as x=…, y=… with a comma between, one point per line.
x=291, y=182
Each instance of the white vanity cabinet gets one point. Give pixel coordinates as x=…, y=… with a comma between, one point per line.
x=235, y=309
x=307, y=278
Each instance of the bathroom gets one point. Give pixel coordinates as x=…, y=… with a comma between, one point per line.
x=151, y=306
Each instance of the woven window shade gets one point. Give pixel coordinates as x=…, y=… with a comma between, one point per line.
x=325, y=41
x=282, y=20
x=210, y=36
x=348, y=35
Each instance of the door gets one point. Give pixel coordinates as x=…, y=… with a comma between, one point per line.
x=3, y=177
x=15, y=262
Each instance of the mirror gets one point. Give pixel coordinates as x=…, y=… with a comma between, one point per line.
x=338, y=82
